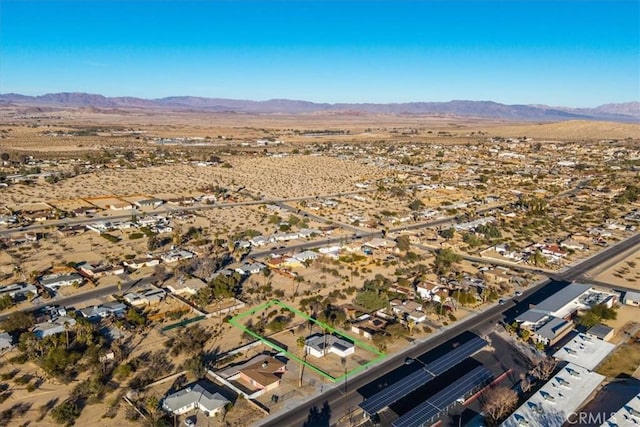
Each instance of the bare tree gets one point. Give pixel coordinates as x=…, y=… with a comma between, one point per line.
x=525, y=383
x=498, y=403
x=545, y=368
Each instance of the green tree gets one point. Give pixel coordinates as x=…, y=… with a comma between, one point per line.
x=5, y=302
x=18, y=321
x=372, y=300
x=135, y=317
x=444, y=260
x=416, y=205
x=66, y=413
x=448, y=233
x=403, y=243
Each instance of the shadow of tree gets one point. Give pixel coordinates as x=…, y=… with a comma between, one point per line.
x=319, y=417
x=44, y=409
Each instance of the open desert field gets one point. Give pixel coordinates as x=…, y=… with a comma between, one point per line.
x=624, y=273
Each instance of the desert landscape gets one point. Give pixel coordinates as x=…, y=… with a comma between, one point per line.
x=390, y=228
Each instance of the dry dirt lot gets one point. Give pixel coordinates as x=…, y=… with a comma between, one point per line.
x=624, y=273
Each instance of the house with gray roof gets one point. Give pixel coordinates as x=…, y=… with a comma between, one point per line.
x=195, y=396
x=55, y=281
x=53, y=327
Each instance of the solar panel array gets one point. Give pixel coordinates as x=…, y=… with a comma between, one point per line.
x=456, y=356
x=396, y=391
x=414, y=381
x=430, y=410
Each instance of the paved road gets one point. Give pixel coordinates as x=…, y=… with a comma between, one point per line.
x=335, y=397
x=162, y=210
x=74, y=300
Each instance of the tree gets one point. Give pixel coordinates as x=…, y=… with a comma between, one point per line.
x=448, y=233
x=135, y=317
x=4, y=157
x=300, y=343
x=525, y=383
x=65, y=413
x=545, y=368
x=525, y=334
x=416, y=205
x=371, y=300
x=411, y=324
x=444, y=259
x=380, y=341
x=396, y=330
x=18, y=321
x=538, y=259
x=403, y=243
x=153, y=242
x=498, y=403
x=589, y=319
x=5, y=302
x=196, y=366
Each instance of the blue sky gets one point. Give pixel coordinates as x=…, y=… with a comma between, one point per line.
x=561, y=52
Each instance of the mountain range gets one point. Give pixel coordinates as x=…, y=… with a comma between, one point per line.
x=624, y=112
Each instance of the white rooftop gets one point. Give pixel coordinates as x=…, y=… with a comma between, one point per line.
x=628, y=415
x=557, y=400
x=585, y=351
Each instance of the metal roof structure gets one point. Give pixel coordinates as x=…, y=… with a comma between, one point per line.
x=431, y=409
x=419, y=378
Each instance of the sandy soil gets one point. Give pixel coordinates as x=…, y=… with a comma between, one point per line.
x=624, y=273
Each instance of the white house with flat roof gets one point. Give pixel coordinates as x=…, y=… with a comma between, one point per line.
x=558, y=399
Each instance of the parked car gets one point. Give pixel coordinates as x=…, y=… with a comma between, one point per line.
x=518, y=293
x=501, y=301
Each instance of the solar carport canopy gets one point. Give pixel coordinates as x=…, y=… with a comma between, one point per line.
x=430, y=410
x=414, y=381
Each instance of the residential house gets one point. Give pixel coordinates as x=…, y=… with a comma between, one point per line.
x=55, y=281
x=149, y=203
x=426, y=290
x=368, y=326
x=572, y=244
x=321, y=345
x=53, y=327
x=148, y=296
x=100, y=270
x=257, y=376
x=141, y=262
x=408, y=310
x=306, y=256
x=19, y=291
x=189, y=286
x=176, y=255
x=247, y=269
x=197, y=396
x=496, y=275
x=103, y=311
